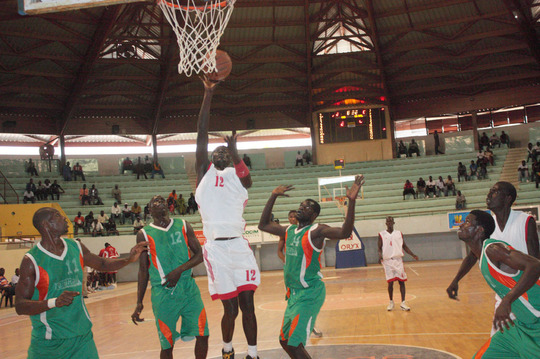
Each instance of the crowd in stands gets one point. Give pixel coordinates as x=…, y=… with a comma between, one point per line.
x=7, y=288
x=524, y=175
x=302, y=157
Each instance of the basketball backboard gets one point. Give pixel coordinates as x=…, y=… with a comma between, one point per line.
x=36, y=7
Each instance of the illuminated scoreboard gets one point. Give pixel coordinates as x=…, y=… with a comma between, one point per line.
x=358, y=124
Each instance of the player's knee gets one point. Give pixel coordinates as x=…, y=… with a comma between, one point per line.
x=231, y=312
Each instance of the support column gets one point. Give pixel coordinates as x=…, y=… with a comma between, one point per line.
x=475, y=131
x=154, y=146
x=62, y=143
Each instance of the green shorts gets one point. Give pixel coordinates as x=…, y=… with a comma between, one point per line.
x=81, y=347
x=303, y=307
x=519, y=341
x=169, y=304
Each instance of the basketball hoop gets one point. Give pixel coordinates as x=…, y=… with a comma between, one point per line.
x=198, y=26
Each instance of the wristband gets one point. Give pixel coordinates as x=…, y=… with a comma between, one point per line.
x=51, y=303
x=241, y=169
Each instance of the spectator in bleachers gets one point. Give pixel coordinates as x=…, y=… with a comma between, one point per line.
x=40, y=191
x=420, y=187
x=139, y=169
x=247, y=160
x=136, y=210
x=126, y=213
x=97, y=228
x=479, y=156
x=47, y=190
x=30, y=186
x=473, y=167
x=94, y=196
x=523, y=172
x=66, y=172
x=6, y=288
x=494, y=140
x=460, y=200
x=146, y=211
x=408, y=188
x=431, y=187
x=88, y=220
x=116, y=212
x=56, y=189
x=147, y=164
x=111, y=228
x=413, y=148
x=536, y=172
x=138, y=225
x=127, y=165
x=84, y=195
x=402, y=149
x=484, y=141
x=78, y=171
x=192, y=204
x=28, y=196
x=181, y=205
x=505, y=139
x=482, y=169
x=437, y=143
x=15, y=278
x=530, y=152
x=461, y=172
x=171, y=204
x=536, y=150
x=156, y=169
x=440, y=187
x=31, y=168
x=449, y=185
x=299, y=159
x=488, y=155
x=117, y=194
x=102, y=218
x=78, y=223
x=307, y=157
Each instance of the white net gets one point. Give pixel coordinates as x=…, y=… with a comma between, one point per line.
x=198, y=26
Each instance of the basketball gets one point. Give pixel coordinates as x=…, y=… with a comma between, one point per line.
x=223, y=66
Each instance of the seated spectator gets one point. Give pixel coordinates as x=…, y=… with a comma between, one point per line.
x=408, y=188
x=78, y=171
x=97, y=228
x=460, y=200
x=299, y=159
x=56, y=189
x=192, y=204
x=484, y=141
x=126, y=213
x=84, y=195
x=530, y=152
x=306, y=156
x=461, y=172
x=40, y=192
x=111, y=228
x=136, y=210
x=103, y=218
x=413, y=148
x=473, y=167
x=139, y=169
x=94, y=196
x=116, y=212
x=536, y=172
x=431, y=187
x=6, y=289
x=523, y=172
x=156, y=169
x=494, y=140
x=402, y=149
x=30, y=186
x=449, y=185
x=440, y=187
x=47, y=189
x=31, y=168
x=138, y=225
x=420, y=187
x=127, y=165
x=147, y=164
x=482, y=170
x=171, y=204
x=505, y=139
x=181, y=205
x=247, y=160
x=117, y=194
x=78, y=223
x=28, y=196
x=479, y=156
x=489, y=157
x=66, y=172
x=88, y=220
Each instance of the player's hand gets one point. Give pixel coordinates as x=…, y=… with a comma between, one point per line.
x=280, y=190
x=135, y=316
x=231, y=143
x=380, y=259
x=415, y=257
x=352, y=192
x=209, y=80
x=452, y=291
x=136, y=251
x=502, y=318
x=66, y=298
x=172, y=278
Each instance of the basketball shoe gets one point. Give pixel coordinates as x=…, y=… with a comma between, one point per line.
x=227, y=355
x=404, y=306
x=390, y=306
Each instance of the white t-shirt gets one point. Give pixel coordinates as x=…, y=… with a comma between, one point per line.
x=392, y=244
x=221, y=198
x=15, y=279
x=515, y=231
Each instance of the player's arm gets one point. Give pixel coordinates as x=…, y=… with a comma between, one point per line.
x=24, y=305
x=466, y=266
x=201, y=155
x=265, y=223
x=196, y=258
x=111, y=264
x=280, y=247
x=532, y=238
x=530, y=266
x=379, y=248
x=406, y=249
x=240, y=167
x=142, y=282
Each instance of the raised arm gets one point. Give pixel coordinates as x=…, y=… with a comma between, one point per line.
x=239, y=165
x=265, y=223
x=201, y=155
x=142, y=282
x=466, y=266
x=111, y=264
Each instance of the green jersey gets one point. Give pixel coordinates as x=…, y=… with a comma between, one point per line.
x=527, y=307
x=167, y=249
x=302, y=259
x=54, y=275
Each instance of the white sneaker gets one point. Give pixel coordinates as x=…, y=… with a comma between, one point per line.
x=404, y=306
x=390, y=306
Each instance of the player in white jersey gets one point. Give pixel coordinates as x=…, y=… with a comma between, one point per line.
x=233, y=273
x=391, y=246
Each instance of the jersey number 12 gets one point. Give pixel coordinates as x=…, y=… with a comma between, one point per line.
x=219, y=181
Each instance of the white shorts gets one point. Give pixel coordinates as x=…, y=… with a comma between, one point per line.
x=393, y=269
x=231, y=268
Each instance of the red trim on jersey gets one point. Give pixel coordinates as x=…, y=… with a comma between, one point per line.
x=202, y=322
x=166, y=332
x=482, y=350
x=293, y=325
x=281, y=334
x=152, y=249
x=210, y=270
x=43, y=284
x=308, y=249
x=233, y=294
x=186, y=239
x=82, y=262
x=507, y=281
x=396, y=278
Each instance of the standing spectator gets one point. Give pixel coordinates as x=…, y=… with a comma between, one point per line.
x=413, y=148
x=146, y=211
x=494, y=140
x=78, y=223
x=484, y=141
x=431, y=187
x=420, y=187
x=116, y=212
x=139, y=169
x=5, y=288
x=84, y=195
x=31, y=168
x=449, y=185
x=482, y=169
x=536, y=172
x=460, y=200
x=136, y=210
x=127, y=165
x=96, y=228
x=78, y=171
x=157, y=169
x=66, y=172
x=437, y=143
x=461, y=172
x=473, y=167
x=94, y=196
x=15, y=278
x=147, y=164
x=56, y=189
x=536, y=150
x=126, y=213
x=530, y=152
x=88, y=220
x=28, y=196
x=523, y=172
x=247, y=160
x=138, y=225
x=192, y=204
x=171, y=204
x=117, y=194
x=181, y=205
x=505, y=140
x=408, y=188
x=307, y=157
x=103, y=218
x=299, y=159
x=402, y=149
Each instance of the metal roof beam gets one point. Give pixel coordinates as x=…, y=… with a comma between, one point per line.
x=526, y=24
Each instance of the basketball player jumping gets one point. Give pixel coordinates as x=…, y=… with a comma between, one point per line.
x=304, y=244
x=233, y=273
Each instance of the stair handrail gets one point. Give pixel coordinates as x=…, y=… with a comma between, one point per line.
x=6, y=186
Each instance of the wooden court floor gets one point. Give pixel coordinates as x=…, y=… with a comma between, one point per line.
x=354, y=312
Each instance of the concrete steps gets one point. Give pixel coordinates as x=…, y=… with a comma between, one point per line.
x=511, y=163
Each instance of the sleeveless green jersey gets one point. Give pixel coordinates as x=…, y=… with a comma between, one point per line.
x=54, y=275
x=302, y=260
x=527, y=307
x=167, y=249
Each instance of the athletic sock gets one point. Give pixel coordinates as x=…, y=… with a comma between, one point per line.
x=227, y=347
x=252, y=351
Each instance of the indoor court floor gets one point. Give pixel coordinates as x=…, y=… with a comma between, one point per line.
x=354, y=313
